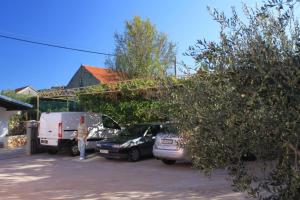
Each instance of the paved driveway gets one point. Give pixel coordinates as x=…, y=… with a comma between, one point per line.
x=60, y=177
x=12, y=153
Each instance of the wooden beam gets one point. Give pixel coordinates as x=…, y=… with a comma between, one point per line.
x=37, y=107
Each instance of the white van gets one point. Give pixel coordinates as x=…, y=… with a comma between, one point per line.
x=57, y=130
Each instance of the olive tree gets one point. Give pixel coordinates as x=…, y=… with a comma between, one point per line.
x=245, y=101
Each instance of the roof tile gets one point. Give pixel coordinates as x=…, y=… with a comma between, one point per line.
x=104, y=75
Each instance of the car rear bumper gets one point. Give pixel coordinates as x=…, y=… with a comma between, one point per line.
x=169, y=154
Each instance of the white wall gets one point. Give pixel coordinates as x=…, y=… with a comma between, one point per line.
x=4, y=117
x=28, y=91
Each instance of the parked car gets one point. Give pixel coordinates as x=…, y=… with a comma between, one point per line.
x=166, y=147
x=132, y=143
x=57, y=130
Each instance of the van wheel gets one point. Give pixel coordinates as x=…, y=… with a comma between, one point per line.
x=168, y=162
x=52, y=151
x=74, y=151
x=134, y=155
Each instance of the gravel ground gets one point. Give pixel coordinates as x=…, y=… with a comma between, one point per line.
x=55, y=177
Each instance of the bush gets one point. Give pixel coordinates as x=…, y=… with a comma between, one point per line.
x=247, y=102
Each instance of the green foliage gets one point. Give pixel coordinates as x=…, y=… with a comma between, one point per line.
x=16, y=125
x=57, y=106
x=247, y=102
x=20, y=97
x=125, y=112
x=132, y=101
x=45, y=106
x=142, y=51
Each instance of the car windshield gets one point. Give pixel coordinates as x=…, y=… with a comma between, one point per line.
x=135, y=130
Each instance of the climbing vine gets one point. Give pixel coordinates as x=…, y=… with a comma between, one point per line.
x=131, y=101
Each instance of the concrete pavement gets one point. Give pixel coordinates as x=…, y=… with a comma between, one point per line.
x=55, y=177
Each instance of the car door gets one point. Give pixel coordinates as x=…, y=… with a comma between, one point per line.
x=110, y=127
x=149, y=139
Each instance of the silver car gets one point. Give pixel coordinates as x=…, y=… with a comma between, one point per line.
x=166, y=147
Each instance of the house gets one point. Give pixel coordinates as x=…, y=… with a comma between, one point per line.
x=9, y=107
x=27, y=90
x=89, y=75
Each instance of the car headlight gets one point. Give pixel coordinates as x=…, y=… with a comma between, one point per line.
x=126, y=144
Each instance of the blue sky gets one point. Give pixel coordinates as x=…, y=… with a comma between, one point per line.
x=90, y=24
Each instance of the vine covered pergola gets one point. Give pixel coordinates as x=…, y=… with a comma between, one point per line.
x=129, y=89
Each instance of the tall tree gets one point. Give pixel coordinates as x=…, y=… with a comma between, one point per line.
x=141, y=51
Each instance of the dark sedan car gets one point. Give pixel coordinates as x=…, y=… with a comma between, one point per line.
x=132, y=143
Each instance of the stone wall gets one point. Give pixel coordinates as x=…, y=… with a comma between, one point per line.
x=15, y=141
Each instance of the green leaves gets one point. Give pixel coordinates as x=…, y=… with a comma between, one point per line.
x=141, y=51
x=248, y=102
x=132, y=101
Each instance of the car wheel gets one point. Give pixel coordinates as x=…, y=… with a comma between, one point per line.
x=134, y=155
x=168, y=162
x=74, y=151
x=52, y=151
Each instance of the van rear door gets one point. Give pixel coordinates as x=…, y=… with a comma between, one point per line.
x=49, y=123
x=50, y=128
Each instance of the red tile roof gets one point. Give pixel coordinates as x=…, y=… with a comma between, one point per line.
x=104, y=75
